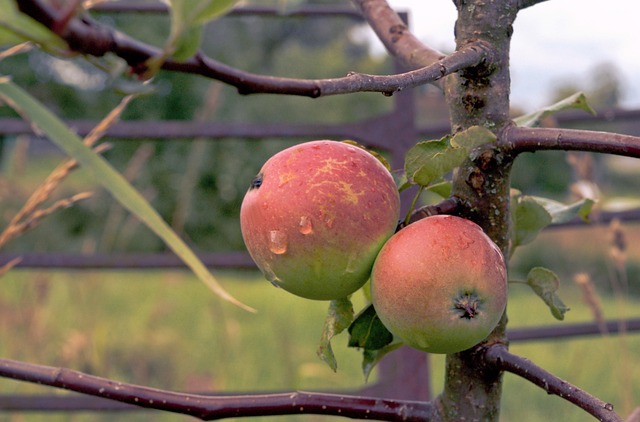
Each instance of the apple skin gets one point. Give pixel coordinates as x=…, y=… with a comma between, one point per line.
x=440, y=284
x=316, y=216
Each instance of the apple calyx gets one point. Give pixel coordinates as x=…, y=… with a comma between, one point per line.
x=256, y=182
x=467, y=305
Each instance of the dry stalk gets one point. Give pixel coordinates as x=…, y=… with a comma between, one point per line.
x=9, y=265
x=196, y=157
x=591, y=298
x=620, y=284
x=30, y=214
x=16, y=49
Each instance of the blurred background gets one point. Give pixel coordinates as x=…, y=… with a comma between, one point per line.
x=163, y=328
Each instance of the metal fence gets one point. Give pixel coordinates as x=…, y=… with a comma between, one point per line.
x=394, y=132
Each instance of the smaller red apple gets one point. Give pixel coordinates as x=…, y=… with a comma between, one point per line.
x=440, y=284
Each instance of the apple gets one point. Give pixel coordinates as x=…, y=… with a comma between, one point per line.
x=440, y=284
x=316, y=216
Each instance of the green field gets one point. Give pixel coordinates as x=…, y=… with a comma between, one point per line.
x=166, y=330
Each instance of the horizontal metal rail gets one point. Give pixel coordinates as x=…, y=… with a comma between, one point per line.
x=55, y=260
x=306, y=11
x=374, y=132
x=220, y=260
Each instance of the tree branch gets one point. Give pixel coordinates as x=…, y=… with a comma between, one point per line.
x=498, y=355
x=220, y=407
x=88, y=37
x=523, y=4
x=446, y=206
x=520, y=139
x=395, y=35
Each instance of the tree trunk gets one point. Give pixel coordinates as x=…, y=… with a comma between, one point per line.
x=480, y=96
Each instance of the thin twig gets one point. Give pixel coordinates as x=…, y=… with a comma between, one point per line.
x=523, y=4
x=220, y=407
x=88, y=37
x=498, y=355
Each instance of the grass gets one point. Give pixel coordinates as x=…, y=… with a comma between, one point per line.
x=166, y=330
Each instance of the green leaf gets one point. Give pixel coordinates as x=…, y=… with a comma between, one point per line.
x=188, y=18
x=103, y=173
x=368, y=332
x=443, y=189
x=429, y=161
x=188, y=43
x=370, y=358
x=16, y=27
x=338, y=318
x=529, y=217
x=561, y=213
x=575, y=101
x=545, y=283
x=211, y=9
x=379, y=156
x=473, y=137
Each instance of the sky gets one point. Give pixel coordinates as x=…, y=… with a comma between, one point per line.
x=554, y=43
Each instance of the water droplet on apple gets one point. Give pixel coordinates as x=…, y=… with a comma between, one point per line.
x=271, y=276
x=306, y=227
x=352, y=263
x=277, y=242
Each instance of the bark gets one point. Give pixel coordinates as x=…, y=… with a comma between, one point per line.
x=480, y=96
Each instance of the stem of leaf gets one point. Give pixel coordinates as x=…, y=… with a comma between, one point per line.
x=413, y=205
x=518, y=282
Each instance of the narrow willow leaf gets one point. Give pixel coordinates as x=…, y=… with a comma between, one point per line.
x=545, y=283
x=103, y=173
x=188, y=18
x=370, y=358
x=338, y=318
x=561, y=213
x=16, y=27
x=529, y=217
x=188, y=43
x=212, y=9
x=368, y=332
x=576, y=101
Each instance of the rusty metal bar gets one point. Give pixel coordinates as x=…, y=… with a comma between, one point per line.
x=573, y=330
x=55, y=260
x=306, y=11
x=370, y=131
